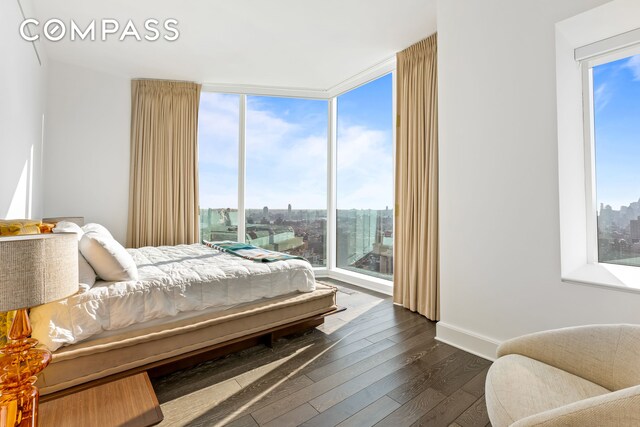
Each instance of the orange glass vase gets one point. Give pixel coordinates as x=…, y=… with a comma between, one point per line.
x=20, y=362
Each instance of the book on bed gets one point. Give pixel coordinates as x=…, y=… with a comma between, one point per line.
x=254, y=253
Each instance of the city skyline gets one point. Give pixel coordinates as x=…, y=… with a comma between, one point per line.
x=622, y=206
x=364, y=240
x=386, y=207
x=619, y=234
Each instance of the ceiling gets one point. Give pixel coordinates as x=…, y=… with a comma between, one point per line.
x=277, y=43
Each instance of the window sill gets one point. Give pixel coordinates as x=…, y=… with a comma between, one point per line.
x=357, y=279
x=611, y=276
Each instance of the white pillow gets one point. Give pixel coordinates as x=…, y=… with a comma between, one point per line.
x=86, y=274
x=108, y=258
x=96, y=228
x=68, y=227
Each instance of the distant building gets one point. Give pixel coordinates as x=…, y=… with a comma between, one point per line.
x=383, y=247
x=619, y=234
x=265, y=212
x=634, y=228
x=356, y=235
x=218, y=224
x=609, y=217
x=273, y=237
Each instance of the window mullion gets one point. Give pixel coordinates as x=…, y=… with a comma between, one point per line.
x=332, y=237
x=589, y=159
x=242, y=166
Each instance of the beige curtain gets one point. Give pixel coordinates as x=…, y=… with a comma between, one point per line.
x=415, y=277
x=163, y=183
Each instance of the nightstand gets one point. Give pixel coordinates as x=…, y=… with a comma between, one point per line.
x=128, y=401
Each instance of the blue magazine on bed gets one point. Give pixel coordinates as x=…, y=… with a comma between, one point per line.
x=251, y=252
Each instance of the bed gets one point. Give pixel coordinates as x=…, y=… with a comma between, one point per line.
x=188, y=300
x=172, y=280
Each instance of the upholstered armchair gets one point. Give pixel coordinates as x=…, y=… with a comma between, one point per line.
x=581, y=376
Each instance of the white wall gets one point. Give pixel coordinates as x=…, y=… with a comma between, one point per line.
x=86, y=168
x=22, y=105
x=499, y=218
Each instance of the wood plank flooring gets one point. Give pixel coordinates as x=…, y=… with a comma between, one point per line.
x=372, y=364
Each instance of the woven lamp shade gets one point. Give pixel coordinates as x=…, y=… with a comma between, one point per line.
x=37, y=269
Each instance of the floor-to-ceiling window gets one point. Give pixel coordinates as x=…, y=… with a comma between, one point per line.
x=264, y=159
x=218, y=142
x=364, y=176
x=286, y=175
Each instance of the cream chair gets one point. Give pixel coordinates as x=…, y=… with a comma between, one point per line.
x=581, y=376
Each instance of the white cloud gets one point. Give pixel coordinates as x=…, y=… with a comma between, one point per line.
x=264, y=129
x=601, y=96
x=287, y=159
x=218, y=189
x=634, y=65
x=365, y=168
x=218, y=129
x=286, y=163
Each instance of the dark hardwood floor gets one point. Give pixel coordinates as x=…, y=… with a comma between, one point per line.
x=372, y=364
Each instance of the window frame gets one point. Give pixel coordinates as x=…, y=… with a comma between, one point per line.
x=597, y=33
x=587, y=64
x=331, y=95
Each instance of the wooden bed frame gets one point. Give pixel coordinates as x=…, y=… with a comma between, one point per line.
x=184, y=344
x=213, y=352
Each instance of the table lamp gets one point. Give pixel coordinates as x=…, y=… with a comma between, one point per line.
x=34, y=270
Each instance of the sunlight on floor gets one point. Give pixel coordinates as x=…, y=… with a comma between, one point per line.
x=202, y=401
x=247, y=405
x=211, y=396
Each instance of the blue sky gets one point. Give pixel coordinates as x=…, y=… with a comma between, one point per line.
x=365, y=146
x=616, y=87
x=287, y=151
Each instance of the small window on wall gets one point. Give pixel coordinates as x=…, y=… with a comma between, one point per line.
x=218, y=142
x=613, y=85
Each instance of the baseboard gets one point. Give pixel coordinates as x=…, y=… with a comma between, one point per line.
x=466, y=340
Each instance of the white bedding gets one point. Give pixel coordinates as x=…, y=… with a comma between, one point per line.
x=172, y=279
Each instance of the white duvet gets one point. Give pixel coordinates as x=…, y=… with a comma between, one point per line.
x=172, y=279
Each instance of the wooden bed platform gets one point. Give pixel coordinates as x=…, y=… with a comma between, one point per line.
x=176, y=345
